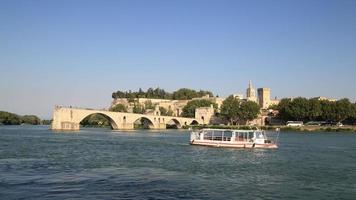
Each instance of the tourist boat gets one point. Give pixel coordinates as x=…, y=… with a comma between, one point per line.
x=232, y=138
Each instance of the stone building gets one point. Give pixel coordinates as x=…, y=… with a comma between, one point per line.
x=175, y=106
x=251, y=93
x=264, y=98
x=205, y=114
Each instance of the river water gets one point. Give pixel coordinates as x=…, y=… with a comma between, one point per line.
x=36, y=163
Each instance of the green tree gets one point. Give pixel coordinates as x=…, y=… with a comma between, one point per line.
x=7, y=118
x=189, y=109
x=284, y=109
x=30, y=119
x=315, y=110
x=138, y=108
x=353, y=112
x=328, y=110
x=165, y=112
x=343, y=110
x=46, y=121
x=236, y=110
x=149, y=105
x=296, y=109
x=186, y=94
x=158, y=93
x=119, y=108
x=230, y=109
x=249, y=110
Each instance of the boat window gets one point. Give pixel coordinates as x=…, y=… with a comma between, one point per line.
x=208, y=135
x=218, y=135
x=227, y=136
x=250, y=135
x=239, y=136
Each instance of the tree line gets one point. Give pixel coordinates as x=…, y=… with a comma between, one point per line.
x=7, y=118
x=303, y=109
x=158, y=93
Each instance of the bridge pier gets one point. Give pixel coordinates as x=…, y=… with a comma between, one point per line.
x=160, y=126
x=66, y=126
x=126, y=126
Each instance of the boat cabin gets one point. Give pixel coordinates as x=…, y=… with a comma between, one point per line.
x=231, y=138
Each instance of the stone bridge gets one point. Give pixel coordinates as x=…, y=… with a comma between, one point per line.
x=65, y=118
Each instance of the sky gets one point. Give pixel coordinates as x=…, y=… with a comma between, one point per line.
x=78, y=52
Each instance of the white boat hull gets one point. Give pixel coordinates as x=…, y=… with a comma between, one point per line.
x=234, y=144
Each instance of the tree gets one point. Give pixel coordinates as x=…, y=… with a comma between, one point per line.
x=327, y=110
x=343, y=110
x=7, y=118
x=353, y=117
x=230, y=109
x=149, y=105
x=165, y=112
x=46, y=122
x=189, y=109
x=284, y=109
x=236, y=110
x=30, y=119
x=186, y=94
x=139, y=109
x=119, y=108
x=158, y=93
x=315, y=110
x=249, y=110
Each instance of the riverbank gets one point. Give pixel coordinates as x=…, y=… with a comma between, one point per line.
x=282, y=128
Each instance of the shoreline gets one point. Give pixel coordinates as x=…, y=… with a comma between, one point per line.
x=282, y=128
x=349, y=129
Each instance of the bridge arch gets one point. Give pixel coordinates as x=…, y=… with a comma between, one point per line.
x=113, y=124
x=194, y=122
x=143, y=122
x=173, y=123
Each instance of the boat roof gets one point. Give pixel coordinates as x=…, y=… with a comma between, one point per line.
x=234, y=130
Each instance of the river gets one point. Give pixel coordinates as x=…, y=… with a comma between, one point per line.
x=36, y=163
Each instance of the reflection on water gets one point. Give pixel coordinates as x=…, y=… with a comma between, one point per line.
x=36, y=163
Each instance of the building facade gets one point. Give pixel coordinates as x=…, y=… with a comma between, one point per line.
x=264, y=98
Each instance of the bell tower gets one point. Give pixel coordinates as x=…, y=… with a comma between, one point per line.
x=251, y=93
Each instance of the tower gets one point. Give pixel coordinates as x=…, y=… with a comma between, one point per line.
x=264, y=97
x=251, y=93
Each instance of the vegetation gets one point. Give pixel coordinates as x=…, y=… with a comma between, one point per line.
x=236, y=111
x=119, y=108
x=149, y=105
x=303, y=109
x=219, y=127
x=189, y=109
x=7, y=118
x=186, y=94
x=46, y=122
x=181, y=94
x=165, y=112
x=31, y=119
x=96, y=120
x=138, y=108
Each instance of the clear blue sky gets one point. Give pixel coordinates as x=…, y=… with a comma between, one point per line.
x=78, y=52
